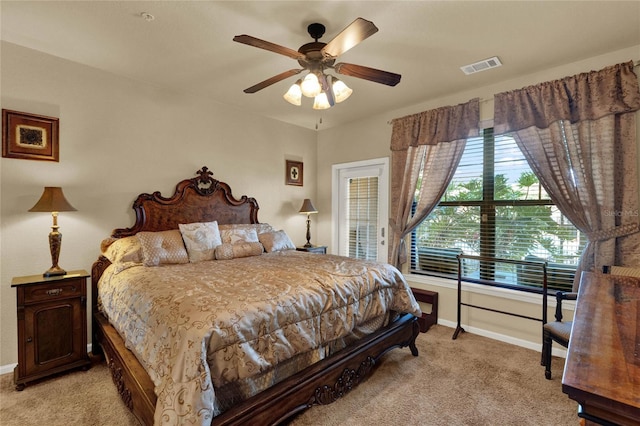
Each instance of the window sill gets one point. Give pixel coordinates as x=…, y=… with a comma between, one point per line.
x=502, y=293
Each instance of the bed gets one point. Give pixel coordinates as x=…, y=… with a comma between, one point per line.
x=285, y=360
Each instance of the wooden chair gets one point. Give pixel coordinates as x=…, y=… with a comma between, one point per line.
x=557, y=331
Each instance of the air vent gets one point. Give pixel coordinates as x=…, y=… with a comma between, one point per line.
x=481, y=66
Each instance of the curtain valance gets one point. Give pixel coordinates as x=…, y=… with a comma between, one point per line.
x=431, y=127
x=578, y=135
x=586, y=96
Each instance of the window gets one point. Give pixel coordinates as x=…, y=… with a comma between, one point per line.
x=496, y=208
x=363, y=217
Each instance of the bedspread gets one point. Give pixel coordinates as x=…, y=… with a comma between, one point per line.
x=199, y=326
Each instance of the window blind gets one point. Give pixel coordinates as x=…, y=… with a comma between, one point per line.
x=362, y=217
x=495, y=207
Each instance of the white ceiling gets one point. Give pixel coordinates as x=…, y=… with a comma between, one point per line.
x=189, y=47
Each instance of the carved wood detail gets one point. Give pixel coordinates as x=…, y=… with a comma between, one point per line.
x=349, y=379
x=199, y=199
x=118, y=379
x=97, y=269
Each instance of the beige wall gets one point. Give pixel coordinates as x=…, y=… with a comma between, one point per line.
x=370, y=138
x=118, y=138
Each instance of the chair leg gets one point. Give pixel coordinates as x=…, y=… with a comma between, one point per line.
x=546, y=355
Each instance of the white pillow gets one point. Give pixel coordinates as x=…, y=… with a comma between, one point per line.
x=201, y=240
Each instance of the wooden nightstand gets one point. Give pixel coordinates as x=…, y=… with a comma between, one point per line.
x=52, y=325
x=314, y=249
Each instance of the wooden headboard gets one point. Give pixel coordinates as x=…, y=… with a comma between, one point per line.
x=199, y=199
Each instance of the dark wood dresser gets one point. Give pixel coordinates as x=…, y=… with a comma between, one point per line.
x=602, y=370
x=52, y=325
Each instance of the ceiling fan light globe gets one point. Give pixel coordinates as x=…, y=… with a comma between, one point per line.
x=321, y=101
x=310, y=86
x=341, y=91
x=294, y=95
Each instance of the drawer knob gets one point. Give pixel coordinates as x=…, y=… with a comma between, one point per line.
x=29, y=339
x=54, y=292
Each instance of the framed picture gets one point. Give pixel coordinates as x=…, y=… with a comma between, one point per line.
x=29, y=136
x=294, y=173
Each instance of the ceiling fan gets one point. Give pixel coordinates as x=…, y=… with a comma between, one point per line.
x=316, y=57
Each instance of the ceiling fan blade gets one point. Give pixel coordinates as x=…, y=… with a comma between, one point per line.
x=266, y=45
x=272, y=80
x=371, y=74
x=326, y=88
x=357, y=31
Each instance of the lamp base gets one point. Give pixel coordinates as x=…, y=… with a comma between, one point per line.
x=55, y=241
x=54, y=271
x=308, y=233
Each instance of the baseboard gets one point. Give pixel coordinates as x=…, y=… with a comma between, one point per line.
x=555, y=350
x=6, y=369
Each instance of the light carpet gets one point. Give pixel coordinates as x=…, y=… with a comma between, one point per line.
x=472, y=380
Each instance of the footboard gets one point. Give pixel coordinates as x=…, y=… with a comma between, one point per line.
x=325, y=381
x=319, y=384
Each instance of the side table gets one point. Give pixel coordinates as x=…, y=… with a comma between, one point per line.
x=52, y=325
x=313, y=249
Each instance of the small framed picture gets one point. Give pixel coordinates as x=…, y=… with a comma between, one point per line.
x=294, y=173
x=29, y=136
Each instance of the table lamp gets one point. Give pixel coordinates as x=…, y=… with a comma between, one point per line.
x=52, y=200
x=307, y=208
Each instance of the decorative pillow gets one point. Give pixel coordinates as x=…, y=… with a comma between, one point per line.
x=226, y=251
x=127, y=249
x=201, y=240
x=276, y=241
x=239, y=235
x=259, y=227
x=162, y=247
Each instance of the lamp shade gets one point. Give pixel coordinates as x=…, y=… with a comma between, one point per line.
x=307, y=207
x=310, y=85
x=294, y=94
x=52, y=200
x=341, y=90
x=321, y=101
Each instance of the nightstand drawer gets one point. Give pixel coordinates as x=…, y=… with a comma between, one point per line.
x=54, y=291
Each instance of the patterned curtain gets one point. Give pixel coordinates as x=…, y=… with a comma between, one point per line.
x=425, y=147
x=579, y=136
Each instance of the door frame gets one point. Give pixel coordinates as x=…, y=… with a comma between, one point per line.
x=383, y=202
